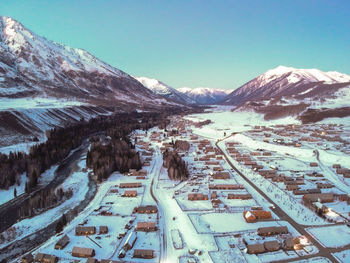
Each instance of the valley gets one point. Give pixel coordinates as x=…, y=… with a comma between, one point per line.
x=226, y=157
x=243, y=179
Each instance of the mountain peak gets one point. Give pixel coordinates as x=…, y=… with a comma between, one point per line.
x=289, y=82
x=205, y=95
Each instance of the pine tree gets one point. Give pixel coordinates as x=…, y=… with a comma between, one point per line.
x=59, y=227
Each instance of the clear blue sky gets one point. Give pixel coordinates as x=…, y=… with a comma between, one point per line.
x=218, y=44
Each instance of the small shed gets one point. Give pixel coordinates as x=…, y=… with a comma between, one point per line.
x=144, y=253
x=103, y=230
x=85, y=230
x=62, y=243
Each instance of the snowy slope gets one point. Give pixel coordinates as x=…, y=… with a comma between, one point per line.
x=44, y=84
x=303, y=93
x=164, y=90
x=31, y=65
x=205, y=95
x=289, y=82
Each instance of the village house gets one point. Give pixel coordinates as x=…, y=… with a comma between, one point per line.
x=62, y=242
x=292, y=187
x=221, y=175
x=143, y=253
x=313, y=164
x=130, y=185
x=324, y=185
x=212, y=163
x=217, y=169
x=85, y=230
x=148, y=209
x=103, y=230
x=83, y=252
x=255, y=248
x=226, y=186
x=197, y=197
x=130, y=193
x=273, y=230
x=322, y=198
x=146, y=226
x=45, y=258
x=245, y=196
x=253, y=216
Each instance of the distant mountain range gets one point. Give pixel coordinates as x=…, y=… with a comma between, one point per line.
x=166, y=91
x=304, y=93
x=206, y=95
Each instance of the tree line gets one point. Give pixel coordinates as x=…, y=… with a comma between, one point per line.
x=177, y=167
x=62, y=140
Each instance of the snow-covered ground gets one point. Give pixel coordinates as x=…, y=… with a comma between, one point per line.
x=7, y=195
x=78, y=182
x=223, y=120
x=343, y=256
x=226, y=222
x=331, y=236
x=44, y=179
x=35, y=103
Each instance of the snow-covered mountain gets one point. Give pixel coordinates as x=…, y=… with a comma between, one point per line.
x=286, y=91
x=31, y=65
x=289, y=82
x=164, y=90
x=34, y=68
x=205, y=95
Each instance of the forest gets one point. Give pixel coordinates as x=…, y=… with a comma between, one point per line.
x=118, y=154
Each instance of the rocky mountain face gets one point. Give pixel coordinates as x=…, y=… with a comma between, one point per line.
x=205, y=95
x=76, y=83
x=286, y=91
x=166, y=91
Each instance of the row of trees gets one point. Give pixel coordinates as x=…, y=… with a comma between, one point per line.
x=118, y=153
x=177, y=167
x=43, y=200
x=61, y=141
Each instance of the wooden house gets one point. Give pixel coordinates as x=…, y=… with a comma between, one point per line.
x=85, y=230
x=62, y=242
x=273, y=230
x=144, y=253
x=83, y=252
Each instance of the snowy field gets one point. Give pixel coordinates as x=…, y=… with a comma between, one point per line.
x=343, y=256
x=223, y=120
x=226, y=222
x=330, y=236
